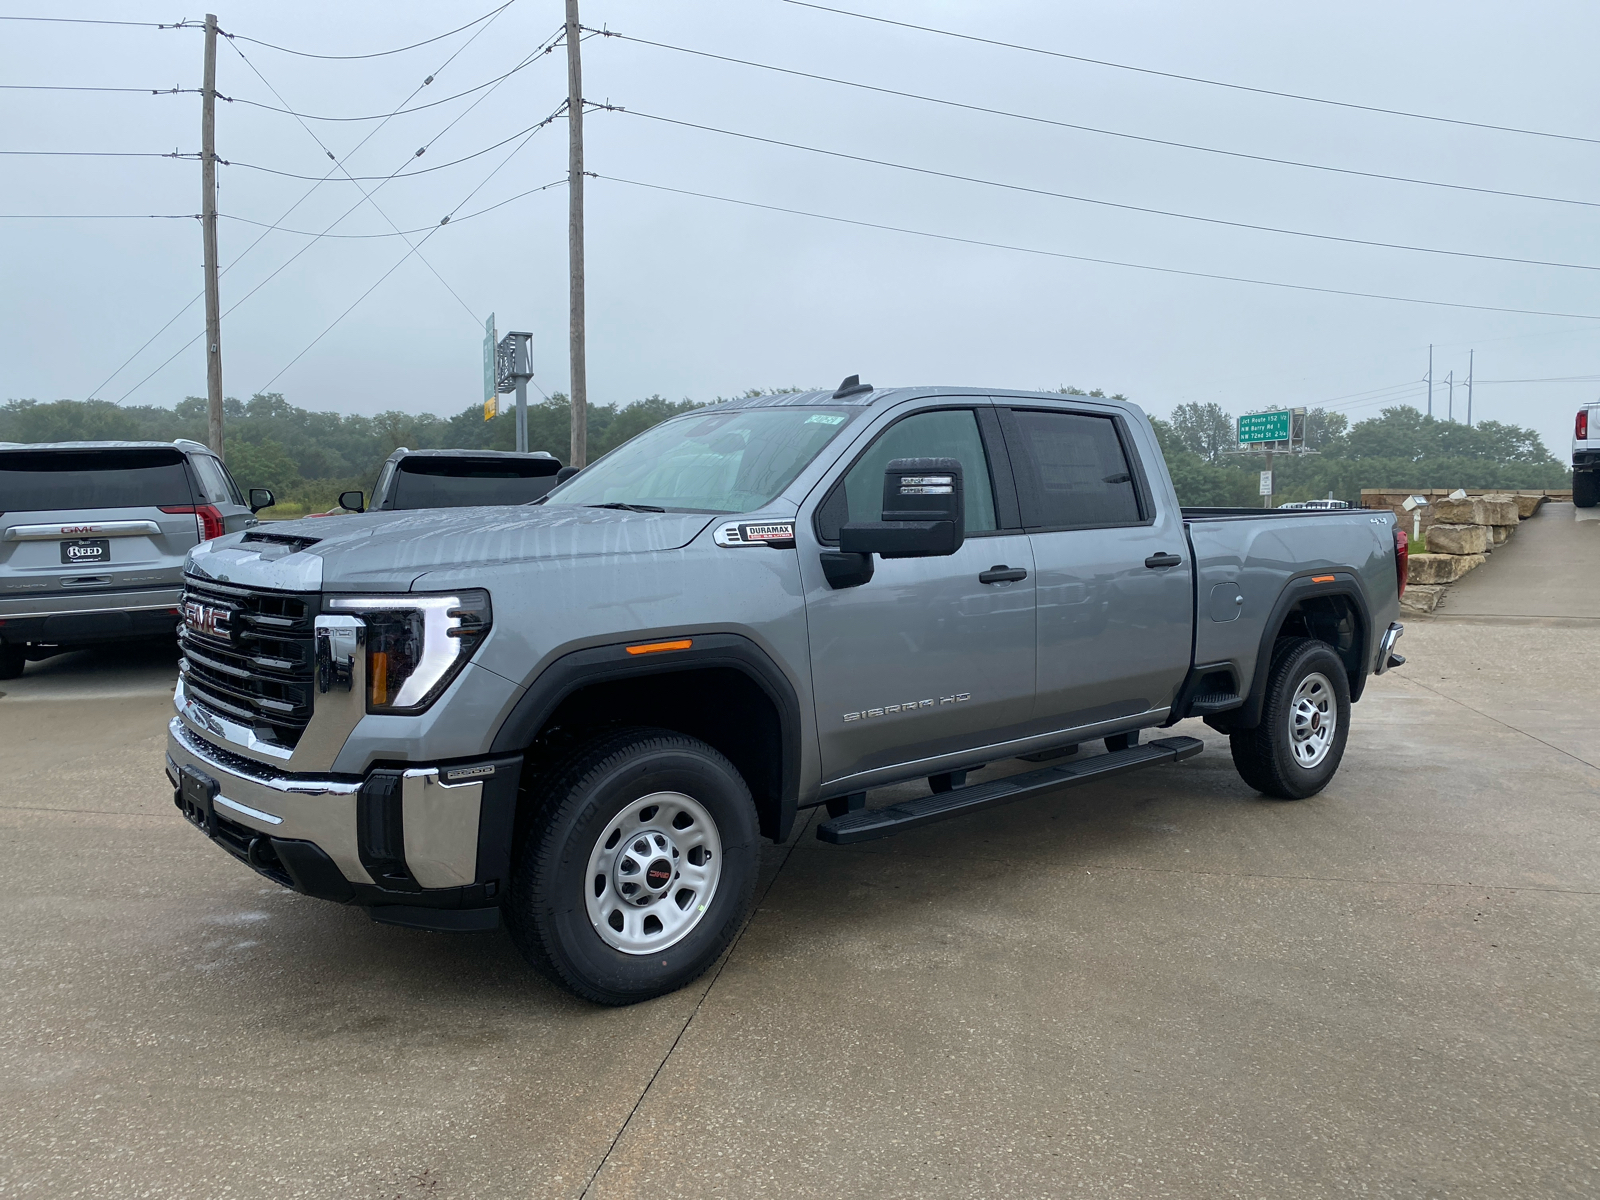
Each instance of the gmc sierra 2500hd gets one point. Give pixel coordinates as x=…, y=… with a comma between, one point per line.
x=583, y=714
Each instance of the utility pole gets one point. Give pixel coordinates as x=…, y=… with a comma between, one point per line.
x=580, y=381
x=208, y=228
x=1470, y=353
x=1450, y=381
x=1430, y=381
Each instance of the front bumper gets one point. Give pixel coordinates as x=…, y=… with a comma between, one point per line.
x=422, y=845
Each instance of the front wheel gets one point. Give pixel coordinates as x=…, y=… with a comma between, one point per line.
x=638, y=869
x=13, y=660
x=1305, y=719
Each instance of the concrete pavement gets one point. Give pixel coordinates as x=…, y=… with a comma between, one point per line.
x=1162, y=986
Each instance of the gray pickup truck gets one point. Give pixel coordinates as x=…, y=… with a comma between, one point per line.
x=582, y=715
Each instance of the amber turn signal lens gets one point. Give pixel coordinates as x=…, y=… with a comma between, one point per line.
x=658, y=647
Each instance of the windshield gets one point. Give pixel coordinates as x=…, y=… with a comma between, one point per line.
x=725, y=462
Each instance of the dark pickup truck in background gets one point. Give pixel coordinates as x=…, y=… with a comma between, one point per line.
x=583, y=714
x=411, y=479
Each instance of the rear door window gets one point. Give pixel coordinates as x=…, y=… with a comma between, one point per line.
x=1072, y=470
x=449, y=482
x=133, y=477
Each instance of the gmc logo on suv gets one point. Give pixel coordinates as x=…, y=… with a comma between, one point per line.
x=205, y=619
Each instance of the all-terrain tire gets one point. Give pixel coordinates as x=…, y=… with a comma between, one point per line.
x=1291, y=755
x=1585, y=488
x=12, y=661
x=597, y=790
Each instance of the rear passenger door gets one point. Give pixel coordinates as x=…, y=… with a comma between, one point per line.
x=1114, y=594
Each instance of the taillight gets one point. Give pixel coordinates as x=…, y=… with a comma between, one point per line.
x=207, y=518
x=1402, y=558
x=1581, y=430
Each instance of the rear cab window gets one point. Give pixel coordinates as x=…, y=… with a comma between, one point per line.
x=130, y=477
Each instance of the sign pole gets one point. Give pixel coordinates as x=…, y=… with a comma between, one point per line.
x=1267, y=483
x=522, y=414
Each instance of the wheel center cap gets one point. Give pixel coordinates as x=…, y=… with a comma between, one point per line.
x=658, y=874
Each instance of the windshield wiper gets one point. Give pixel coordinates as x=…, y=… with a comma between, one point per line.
x=628, y=507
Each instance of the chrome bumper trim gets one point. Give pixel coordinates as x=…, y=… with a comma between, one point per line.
x=316, y=810
x=1386, y=656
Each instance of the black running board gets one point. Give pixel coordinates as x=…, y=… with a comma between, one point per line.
x=868, y=824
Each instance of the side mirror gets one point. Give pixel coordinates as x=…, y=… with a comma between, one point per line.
x=261, y=498
x=923, y=512
x=566, y=473
x=354, y=501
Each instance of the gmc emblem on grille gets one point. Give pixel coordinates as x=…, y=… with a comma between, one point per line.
x=205, y=619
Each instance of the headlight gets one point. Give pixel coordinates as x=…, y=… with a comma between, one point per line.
x=416, y=644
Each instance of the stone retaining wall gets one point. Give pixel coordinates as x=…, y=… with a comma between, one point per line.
x=1457, y=533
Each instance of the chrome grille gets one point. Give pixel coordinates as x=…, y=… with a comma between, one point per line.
x=250, y=655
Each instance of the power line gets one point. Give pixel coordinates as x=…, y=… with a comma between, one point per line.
x=97, y=154
x=381, y=116
x=396, y=233
x=416, y=248
x=52, y=87
x=397, y=175
x=376, y=54
x=1154, y=141
x=87, y=21
x=439, y=70
x=1160, y=212
x=1551, y=379
x=1109, y=262
x=366, y=195
x=99, y=216
x=1237, y=87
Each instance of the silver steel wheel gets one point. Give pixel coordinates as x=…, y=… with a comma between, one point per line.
x=653, y=872
x=1313, y=719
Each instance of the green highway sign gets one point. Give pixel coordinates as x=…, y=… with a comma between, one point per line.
x=1264, y=427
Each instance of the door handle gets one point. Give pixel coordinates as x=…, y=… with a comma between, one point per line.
x=1162, y=560
x=1000, y=573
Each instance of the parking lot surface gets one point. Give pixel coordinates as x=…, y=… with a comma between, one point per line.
x=1160, y=986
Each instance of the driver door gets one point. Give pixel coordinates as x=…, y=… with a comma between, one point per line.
x=924, y=659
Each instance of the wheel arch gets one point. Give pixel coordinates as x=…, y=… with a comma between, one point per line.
x=1312, y=605
x=724, y=689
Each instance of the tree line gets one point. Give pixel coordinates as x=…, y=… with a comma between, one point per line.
x=307, y=458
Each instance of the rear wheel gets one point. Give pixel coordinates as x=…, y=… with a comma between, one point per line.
x=12, y=660
x=1585, y=488
x=1298, y=745
x=638, y=869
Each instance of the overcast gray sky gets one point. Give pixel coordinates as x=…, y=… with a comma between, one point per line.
x=698, y=297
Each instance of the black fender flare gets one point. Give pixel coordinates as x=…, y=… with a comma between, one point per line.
x=1305, y=586
x=607, y=664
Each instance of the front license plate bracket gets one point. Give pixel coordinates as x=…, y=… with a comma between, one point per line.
x=197, y=793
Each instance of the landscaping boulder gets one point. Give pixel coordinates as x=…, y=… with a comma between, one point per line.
x=1441, y=568
x=1421, y=598
x=1499, y=509
x=1470, y=511
x=1528, y=505
x=1502, y=533
x=1458, y=539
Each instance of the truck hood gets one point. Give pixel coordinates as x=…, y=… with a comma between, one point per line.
x=389, y=550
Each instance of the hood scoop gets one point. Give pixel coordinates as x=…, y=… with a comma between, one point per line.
x=276, y=545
